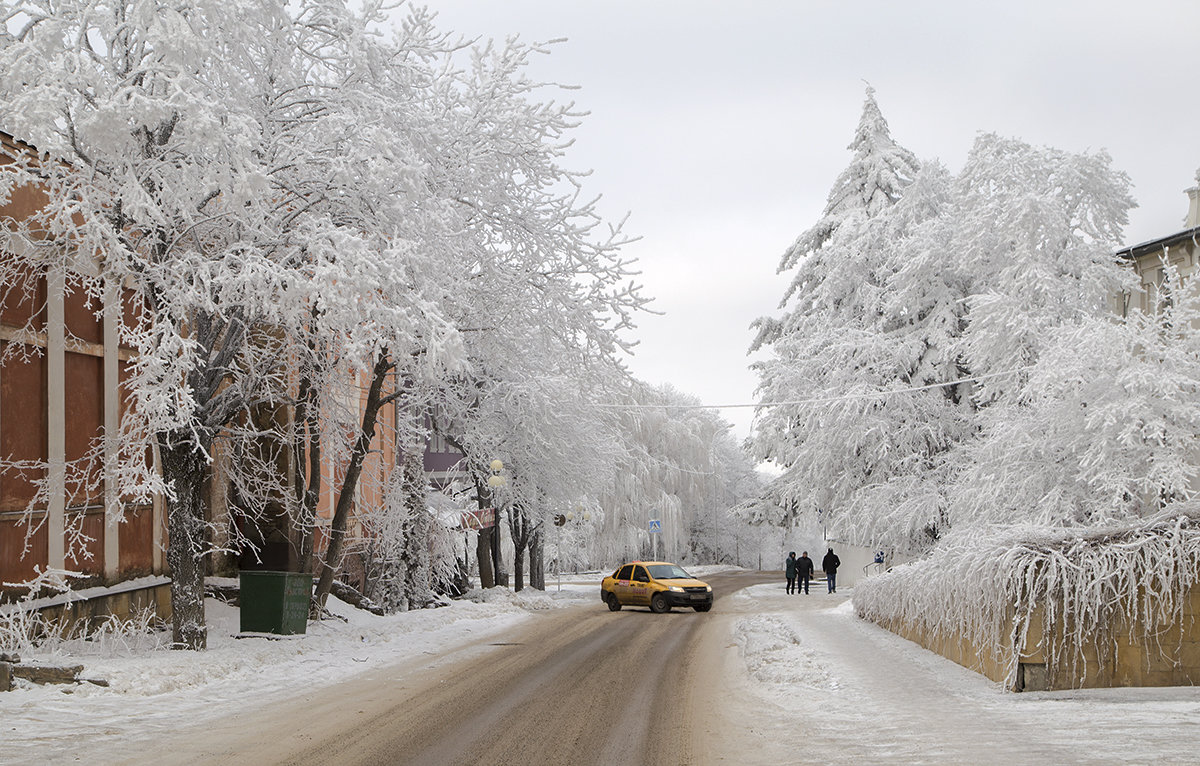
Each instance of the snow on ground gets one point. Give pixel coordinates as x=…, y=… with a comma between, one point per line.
x=154, y=689
x=816, y=684
x=805, y=681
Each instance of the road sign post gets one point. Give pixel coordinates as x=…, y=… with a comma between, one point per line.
x=559, y=520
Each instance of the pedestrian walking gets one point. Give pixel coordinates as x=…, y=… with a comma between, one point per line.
x=830, y=564
x=804, y=572
x=789, y=569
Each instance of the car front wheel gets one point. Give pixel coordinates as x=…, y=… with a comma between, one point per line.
x=658, y=603
x=613, y=604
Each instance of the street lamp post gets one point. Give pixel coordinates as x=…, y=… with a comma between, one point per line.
x=495, y=482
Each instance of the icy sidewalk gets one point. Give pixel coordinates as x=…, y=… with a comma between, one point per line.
x=814, y=684
x=155, y=692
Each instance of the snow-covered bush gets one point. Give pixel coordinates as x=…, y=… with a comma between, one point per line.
x=28, y=632
x=24, y=631
x=1086, y=587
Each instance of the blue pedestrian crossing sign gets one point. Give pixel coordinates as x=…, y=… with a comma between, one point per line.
x=655, y=525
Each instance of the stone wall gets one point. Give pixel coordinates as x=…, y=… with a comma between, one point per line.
x=1116, y=657
x=991, y=662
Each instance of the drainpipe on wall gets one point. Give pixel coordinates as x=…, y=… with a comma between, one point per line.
x=56, y=419
x=113, y=513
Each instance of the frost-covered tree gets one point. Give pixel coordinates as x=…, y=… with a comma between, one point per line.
x=542, y=298
x=1101, y=430
x=1021, y=254
x=399, y=537
x=677, y=463
x=192, y=157
x=557, y=452
x=886, y=372
x=717, y=534
x=842, y=350
x=1036, y=230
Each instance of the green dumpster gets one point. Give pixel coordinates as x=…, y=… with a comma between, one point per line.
x=274, y=602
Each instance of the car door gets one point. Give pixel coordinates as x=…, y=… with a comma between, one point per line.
x=622, y=585
x=639, y=586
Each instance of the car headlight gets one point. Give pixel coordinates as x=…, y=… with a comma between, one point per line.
x=708, y=588
x=675, y=588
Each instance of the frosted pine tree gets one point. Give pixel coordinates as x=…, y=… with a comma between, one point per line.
x=848, y=444
x=874, y=181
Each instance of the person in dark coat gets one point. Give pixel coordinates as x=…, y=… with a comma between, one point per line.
x=789, y=569
x=830, y=564
x=804, y=571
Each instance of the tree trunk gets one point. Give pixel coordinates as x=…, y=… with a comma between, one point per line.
x=487, y=549
x=483, y=552
x=341, y=514
x=488, y=546
x=537, y=559
x=416, y=532
x=518, y=527
x=498, y=553
x=307, y=495
x=518, y=570
x=184, y=469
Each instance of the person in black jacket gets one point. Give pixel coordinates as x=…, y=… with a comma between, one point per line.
x=804, y=572
x=830, y=564
x=789, y=568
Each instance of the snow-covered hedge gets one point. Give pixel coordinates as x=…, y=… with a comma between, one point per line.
x=1087, y=588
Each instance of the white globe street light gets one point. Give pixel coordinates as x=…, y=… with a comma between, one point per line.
x=495, y=481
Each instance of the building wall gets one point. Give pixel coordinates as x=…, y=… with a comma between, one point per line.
x=59, y=393
x=1152, y=268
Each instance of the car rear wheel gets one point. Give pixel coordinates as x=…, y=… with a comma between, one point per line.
x=658, y=603
x=613, y=604
x=702, y=607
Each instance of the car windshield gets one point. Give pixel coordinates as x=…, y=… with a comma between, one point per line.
x=668, y=572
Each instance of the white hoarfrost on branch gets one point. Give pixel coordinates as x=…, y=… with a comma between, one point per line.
x=914, y=326
x=300, y=208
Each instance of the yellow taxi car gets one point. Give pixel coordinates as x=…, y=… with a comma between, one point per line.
x=657, y=584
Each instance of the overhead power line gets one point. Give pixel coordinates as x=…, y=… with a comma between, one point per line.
x=801, y=402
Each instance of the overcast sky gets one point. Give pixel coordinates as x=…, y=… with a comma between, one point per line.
x=720, y=126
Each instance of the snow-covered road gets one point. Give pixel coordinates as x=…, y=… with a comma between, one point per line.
x=800, y=680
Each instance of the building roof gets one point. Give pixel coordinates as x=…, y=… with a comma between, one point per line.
x=1145, y=248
